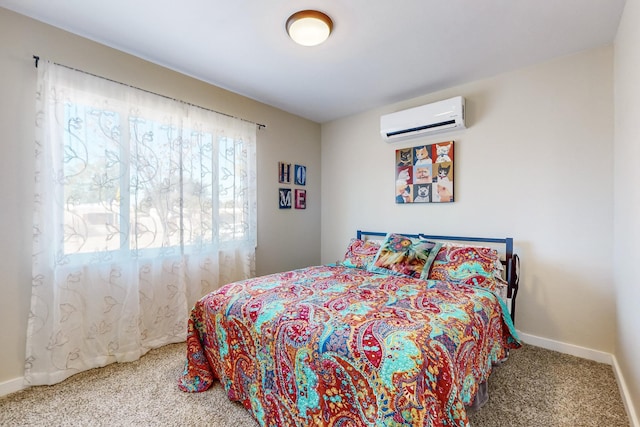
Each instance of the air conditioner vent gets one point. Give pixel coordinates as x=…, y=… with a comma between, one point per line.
x=432, y=118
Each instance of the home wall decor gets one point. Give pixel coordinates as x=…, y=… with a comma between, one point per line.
x=286, y=197
x=300, y=175
x=284, y=173
x=300, y=197
x=424, y=173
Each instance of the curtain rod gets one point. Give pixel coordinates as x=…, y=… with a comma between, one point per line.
x=260, y=125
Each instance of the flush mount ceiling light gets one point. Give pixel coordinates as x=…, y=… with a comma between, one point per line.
x=309, y=27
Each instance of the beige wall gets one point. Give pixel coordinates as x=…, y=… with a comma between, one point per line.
x=286, y=138
x=535, y=164
x=627, y=197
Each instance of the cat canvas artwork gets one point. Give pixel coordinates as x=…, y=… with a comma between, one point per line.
x=403, y=157
x=422, y=155
x=443, y=171
x=422, y=193
x=424, y=173
x=442, y=151
x=404, y=175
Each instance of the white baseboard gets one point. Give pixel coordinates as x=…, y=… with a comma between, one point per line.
x=595, y=355
x=624, y=391
x=573, y=350
x=11, y=386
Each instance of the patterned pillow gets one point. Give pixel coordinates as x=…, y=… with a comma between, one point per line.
x=405, y=256
x=472, y=265
x=360, y=253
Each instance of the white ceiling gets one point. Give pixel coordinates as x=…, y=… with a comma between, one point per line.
x=380, y=52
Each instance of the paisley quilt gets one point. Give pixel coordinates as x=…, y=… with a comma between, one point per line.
x=338, y=346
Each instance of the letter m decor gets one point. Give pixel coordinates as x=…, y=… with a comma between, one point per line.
x=284, y=198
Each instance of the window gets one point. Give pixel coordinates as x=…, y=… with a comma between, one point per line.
x=143, y=184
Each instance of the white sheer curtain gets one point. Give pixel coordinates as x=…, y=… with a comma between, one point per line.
x=142, y=205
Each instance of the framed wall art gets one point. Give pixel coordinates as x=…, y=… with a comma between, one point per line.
x=300, y=197
x=292, y=197
x=284, y=198
x=300, y=175
x=424, y=173
x=284, y=173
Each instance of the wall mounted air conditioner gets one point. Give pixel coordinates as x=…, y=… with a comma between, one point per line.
x=427, y=119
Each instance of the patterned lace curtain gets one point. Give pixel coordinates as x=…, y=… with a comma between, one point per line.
x=142, y=205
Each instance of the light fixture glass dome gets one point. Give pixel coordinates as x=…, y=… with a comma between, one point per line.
x=309, y=27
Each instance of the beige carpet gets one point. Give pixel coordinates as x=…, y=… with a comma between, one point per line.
x=534, y=388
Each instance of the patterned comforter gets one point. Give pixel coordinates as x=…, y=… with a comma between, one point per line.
x=338, y=346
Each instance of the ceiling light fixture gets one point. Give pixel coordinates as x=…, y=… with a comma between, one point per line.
x=309, y=27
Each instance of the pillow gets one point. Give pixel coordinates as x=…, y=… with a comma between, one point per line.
x=404, y=256
x=471, y=265
x=360, y=253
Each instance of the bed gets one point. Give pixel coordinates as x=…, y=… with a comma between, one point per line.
x=404, y=330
